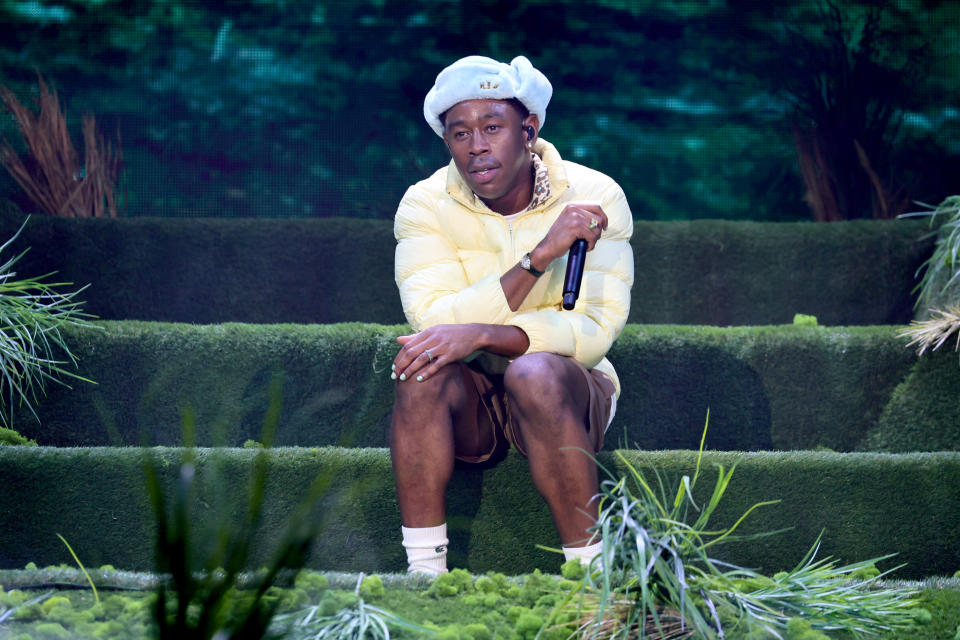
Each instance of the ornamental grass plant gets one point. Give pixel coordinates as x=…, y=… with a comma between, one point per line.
x=657, y=576
x=51, y=174
x=33, y=351
x=208, y=594
x=938, y=301
x=938, y=286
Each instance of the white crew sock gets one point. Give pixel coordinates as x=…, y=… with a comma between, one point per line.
x=583, y=554
x=426, y=549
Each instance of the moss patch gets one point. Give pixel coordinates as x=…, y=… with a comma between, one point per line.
x=466, y=607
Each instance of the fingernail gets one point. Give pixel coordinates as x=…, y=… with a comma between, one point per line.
x=403, y=377
x=393, y=376
x=419, y=378
x=393, y=367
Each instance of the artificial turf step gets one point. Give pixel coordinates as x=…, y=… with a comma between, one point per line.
x=777, y=387
x=865, y=504
x=322, y=270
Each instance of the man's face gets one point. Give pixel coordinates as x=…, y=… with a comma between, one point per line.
x=488, y=144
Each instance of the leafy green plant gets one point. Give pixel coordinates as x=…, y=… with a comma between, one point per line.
x=656, y=576
x=32, y=312
x=203, y=598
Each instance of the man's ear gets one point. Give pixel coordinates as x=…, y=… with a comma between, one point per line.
x=531, y=126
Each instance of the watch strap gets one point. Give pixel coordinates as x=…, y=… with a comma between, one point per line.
x=525, y=263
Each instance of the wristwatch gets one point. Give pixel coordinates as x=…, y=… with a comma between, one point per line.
x=525, y=264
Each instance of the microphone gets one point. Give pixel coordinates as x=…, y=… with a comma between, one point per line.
x=571, y=281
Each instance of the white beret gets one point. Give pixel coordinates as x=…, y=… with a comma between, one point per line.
x=482, y=78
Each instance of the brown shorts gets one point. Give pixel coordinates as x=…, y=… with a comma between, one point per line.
x=493, y=410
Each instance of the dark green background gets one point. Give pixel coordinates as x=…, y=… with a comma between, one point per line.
x=303, y=109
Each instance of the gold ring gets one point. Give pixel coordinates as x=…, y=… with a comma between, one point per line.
x=593, y=223
x=429, y=355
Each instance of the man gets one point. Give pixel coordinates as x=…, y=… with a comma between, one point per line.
x=482, y=249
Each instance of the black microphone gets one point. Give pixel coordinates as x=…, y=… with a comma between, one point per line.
x=571, y=281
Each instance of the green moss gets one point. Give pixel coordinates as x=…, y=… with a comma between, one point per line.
x=28, y=612
x=944, y=607
x=475, y=631
x=473, y=599
x=485, y=584
x=312, y=582
x=109, y=629
x=528, y=625
x=50, y=631
x=514, y=612
x=534, y=586
x=371, y=588
x=333, y=601
x=285, y=599
x=573, y=570
x=492, y=600
x=921, y=616
x=865, y=573
x=12, y=438
x=508, y=620
x=496, y=583
x=448, y=585
x=55, y=601
x=113, y=606
x=12, y=598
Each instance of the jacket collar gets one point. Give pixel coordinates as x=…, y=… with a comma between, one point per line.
x=461, y=192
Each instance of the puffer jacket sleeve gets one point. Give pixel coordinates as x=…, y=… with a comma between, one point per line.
x=588, y=330
x=433, y=284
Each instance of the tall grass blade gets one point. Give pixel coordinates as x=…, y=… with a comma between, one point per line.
x=96, y=596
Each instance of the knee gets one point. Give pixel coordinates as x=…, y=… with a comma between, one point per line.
x=537, y=378
x=443, y=389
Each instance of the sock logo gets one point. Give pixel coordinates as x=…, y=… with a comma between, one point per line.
x=440, y=549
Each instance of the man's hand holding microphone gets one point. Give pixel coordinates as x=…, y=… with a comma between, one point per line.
x=575, y=232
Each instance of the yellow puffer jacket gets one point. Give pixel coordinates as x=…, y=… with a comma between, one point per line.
x=452, y=251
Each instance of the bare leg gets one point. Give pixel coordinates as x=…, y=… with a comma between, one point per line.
x=422, y=441
x=549, y=399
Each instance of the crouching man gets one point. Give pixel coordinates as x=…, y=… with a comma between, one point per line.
x=494, y=360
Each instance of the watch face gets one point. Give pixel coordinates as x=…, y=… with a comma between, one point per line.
x=525, y=261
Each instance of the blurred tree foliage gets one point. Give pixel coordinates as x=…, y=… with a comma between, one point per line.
x=297, y=108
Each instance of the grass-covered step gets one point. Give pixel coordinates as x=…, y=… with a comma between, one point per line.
x=866, y=505
x=923, y=412
x=336, y=270
x=784, y=387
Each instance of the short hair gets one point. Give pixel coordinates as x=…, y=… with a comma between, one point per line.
x=519, y=106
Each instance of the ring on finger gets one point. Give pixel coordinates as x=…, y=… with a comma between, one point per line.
x=429, y=355
x=593, y=223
